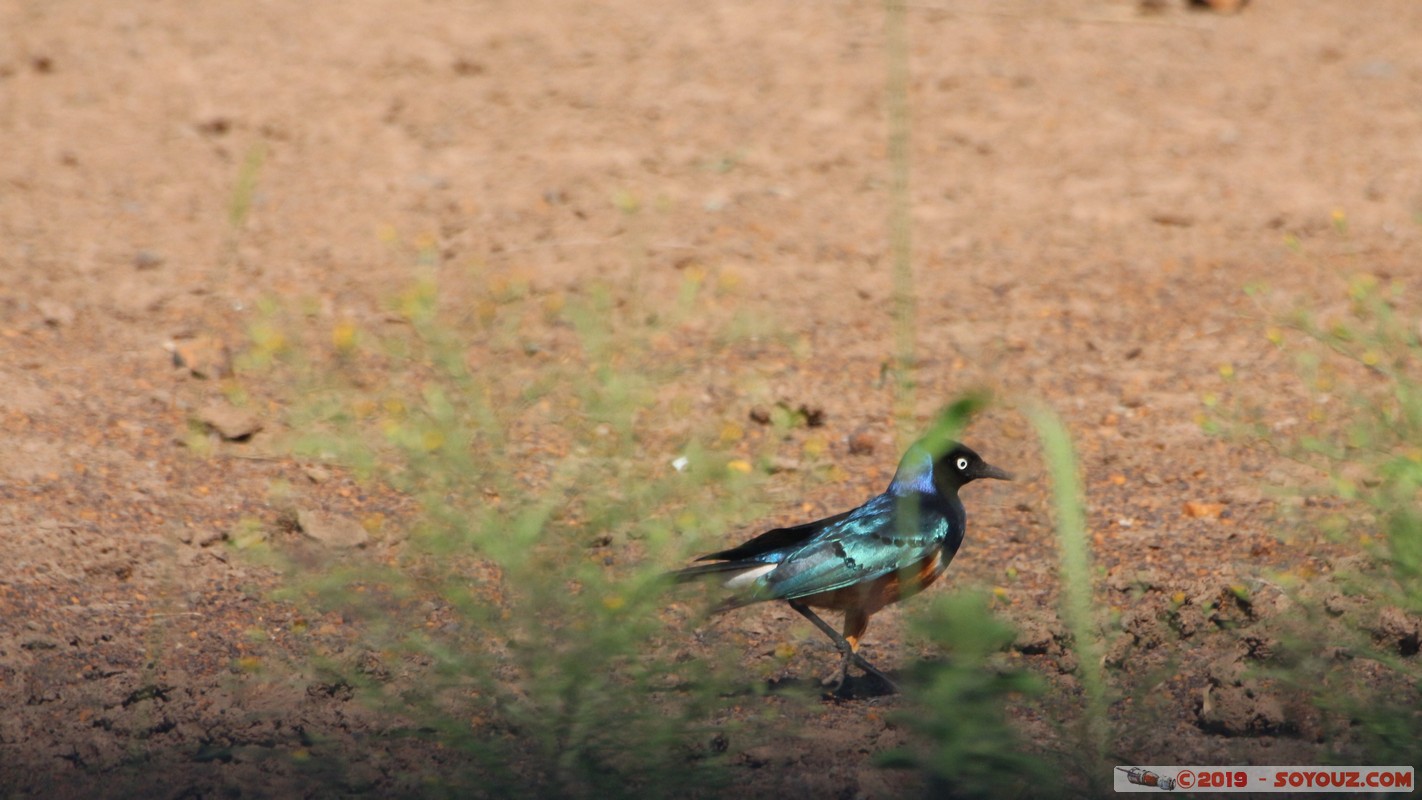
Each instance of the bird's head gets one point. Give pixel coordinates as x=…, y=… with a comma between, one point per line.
x=957, y=466
x=960, y=465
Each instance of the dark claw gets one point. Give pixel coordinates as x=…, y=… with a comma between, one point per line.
x=859, y=687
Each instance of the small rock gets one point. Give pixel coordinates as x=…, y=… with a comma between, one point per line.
x=1219, y=6
x=1398, y=629
x=232, y=424
x=1187, y=620
x=147, y=259
x=202, y=356
x=55, y=314
x=781, y=464
x=214, y=126
x=209, y=537
x=1198, y=510
x=1262, y=647
x=1144, y=628
x=862, y=443
x=1127, y=579
x=1240, y=711
x=1227, y=670
x=1338, y=604
x=316, y=473
x=1269, y=716
x=1244, y=495
x=332, y=529
x=1119, y=652
x=1034, y=636
x=184, y=533
x=1132, y=397
x=814, y=415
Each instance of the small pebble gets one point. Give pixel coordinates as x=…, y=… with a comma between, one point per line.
x=232, y=424
x=861, y=443
x=332, y=529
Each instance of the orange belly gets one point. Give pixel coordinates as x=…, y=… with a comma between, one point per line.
x=871, y=596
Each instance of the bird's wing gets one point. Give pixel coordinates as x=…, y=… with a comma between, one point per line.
x=864, y=545
x=778, y=539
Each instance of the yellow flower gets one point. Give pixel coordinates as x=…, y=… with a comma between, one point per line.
x=343, y=336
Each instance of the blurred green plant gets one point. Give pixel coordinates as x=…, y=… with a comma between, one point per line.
x=965, y=744
x=244, y=191
x=1361, y=367
x=244, y=197
x=523, y=621
x=1074, y=548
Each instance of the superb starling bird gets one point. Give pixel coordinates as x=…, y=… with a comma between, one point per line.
x=861, y=560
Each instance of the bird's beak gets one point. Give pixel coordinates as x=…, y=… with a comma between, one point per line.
x=989, y=471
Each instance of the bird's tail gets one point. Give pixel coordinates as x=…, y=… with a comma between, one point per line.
x=728, y=569
x=702, y=570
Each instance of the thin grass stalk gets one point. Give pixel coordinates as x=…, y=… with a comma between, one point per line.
x=1075, y=569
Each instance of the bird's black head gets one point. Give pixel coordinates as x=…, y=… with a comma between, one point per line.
x=919, y=471
x=960, y=465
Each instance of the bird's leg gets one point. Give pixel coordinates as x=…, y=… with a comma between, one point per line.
x=856, y=622
x=845, y=647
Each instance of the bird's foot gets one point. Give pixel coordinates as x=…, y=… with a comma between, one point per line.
x=871, y=671
x=879, y=684
x=858, y=687
x=873, y=683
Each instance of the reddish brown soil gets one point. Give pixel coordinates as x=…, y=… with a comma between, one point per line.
x=1092, y=189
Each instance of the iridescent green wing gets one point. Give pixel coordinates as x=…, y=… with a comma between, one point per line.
x=863, y=546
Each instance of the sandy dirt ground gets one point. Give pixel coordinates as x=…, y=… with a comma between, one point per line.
x=1093, y=187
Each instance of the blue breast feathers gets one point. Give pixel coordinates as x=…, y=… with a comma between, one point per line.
x=915, y=473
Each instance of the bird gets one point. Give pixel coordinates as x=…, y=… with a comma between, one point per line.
x=861, y=560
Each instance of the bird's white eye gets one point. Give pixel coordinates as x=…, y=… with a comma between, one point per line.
x=962, y=463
